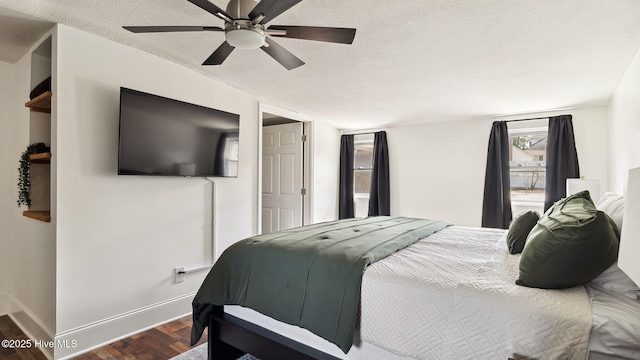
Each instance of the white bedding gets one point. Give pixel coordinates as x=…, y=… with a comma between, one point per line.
x=453, y=296
x=615, y=333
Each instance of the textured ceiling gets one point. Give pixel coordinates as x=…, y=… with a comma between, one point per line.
x=412, y=61
x=17, y=33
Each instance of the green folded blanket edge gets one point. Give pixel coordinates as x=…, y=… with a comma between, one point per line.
x=315, y=283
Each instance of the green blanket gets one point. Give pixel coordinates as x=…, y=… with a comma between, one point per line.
x=308, y=276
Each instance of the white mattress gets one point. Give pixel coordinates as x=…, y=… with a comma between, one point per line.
x=453, y=296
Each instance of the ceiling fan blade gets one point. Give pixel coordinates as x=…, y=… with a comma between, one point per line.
x=215, y=10
x=281, y=55
x=271, y=8
x=220, y=55
x=328, y=34
x=154, y=29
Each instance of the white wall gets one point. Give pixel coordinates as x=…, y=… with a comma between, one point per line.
x=624, y=128
x=32, y=243
x=326, y=173
x=120, y=237
x=591, y=130
x=437, y=170
x=6, y=185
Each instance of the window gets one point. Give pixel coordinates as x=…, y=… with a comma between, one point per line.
x=527, y=164
x=362, y=163
x=362, y=167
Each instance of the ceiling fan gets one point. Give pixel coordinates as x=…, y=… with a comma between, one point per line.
x=245, y=27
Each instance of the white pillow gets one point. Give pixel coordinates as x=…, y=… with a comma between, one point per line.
x=612, y=205
x=613, y=278
x=616, y=280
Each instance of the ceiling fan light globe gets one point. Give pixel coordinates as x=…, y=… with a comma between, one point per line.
x=244, y=39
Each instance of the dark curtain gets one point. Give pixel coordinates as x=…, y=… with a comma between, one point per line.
x=346, y=206
x=562, y=159
x=496, y=207
x=379, y=197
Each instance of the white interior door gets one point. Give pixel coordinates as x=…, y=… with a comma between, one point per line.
x=281, y=177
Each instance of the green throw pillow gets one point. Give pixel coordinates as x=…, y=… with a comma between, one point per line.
x=570, y=245
x=519, y=229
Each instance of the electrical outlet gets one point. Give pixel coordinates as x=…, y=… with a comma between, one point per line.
x=178, y=275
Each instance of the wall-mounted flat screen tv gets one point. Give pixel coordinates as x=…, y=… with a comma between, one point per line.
x=161, y=136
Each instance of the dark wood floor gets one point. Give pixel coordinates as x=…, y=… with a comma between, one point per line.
x=10, y=331
x=161, y=343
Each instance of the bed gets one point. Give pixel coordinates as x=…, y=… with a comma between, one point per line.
x=451, y=295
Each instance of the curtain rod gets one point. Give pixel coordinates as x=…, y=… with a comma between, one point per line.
x=361, y=133
x=365, y=133
x=547, y=111
x=538, y=118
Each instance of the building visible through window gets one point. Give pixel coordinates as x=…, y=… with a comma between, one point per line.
x=527, y=160
x=362, y=166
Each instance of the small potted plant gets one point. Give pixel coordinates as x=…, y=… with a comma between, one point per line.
x=24, y=183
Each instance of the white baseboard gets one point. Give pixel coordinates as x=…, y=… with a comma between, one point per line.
x=4, y=304
x=31, y=325
x=92, y=336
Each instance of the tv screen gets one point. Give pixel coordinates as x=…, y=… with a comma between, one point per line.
x=161, y=136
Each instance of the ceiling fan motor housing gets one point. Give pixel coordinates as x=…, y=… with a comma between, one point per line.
x=240, y=9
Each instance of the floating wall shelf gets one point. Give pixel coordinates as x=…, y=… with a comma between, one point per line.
x=42, y=103
x=38, y=215
x=42, y=158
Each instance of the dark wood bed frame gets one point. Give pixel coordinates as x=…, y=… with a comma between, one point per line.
x=231, y=337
